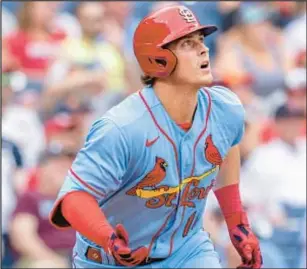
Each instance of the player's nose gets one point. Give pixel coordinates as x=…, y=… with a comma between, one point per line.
x=203, y=49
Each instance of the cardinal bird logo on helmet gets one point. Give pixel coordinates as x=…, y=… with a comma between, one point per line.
x=187, y=15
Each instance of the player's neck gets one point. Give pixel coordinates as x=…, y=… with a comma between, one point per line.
x=179, y=102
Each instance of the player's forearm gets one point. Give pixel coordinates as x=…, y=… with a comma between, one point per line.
x=230, y=203
x=227, y=189
x=229, y=173
x=95, y=226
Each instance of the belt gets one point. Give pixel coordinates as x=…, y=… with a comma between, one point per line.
x=94, y=254
x=150, y=260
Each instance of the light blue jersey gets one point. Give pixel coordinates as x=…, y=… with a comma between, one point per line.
x=152, y=176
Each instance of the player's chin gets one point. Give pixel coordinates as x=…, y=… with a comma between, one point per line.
x=206, y=80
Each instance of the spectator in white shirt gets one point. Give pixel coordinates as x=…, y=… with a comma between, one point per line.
x=20, y=124
x=12, y=164
x=275, y=173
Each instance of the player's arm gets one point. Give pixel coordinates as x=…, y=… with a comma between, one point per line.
x=227, y=183
x=96, y=173
x=227, y=189
x=97, y=170
x=230, y=170
x=95, y=226
x=228, y=195
x=89, y=180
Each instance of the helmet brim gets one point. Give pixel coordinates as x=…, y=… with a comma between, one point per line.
x=205, y=29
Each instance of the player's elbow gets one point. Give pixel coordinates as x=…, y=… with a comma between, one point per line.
x=57, y=217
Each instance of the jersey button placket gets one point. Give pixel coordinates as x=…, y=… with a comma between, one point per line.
x=185, y=157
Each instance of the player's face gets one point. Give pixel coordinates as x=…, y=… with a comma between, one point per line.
x=193, y=66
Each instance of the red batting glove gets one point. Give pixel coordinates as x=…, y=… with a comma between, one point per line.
x=118, y=247
x=246, y=244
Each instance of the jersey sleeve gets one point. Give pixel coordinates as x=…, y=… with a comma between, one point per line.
x=239, y=130
x=98, y=169
x=233, y=113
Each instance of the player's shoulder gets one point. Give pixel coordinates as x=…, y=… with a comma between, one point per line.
x=223, y=96
x=225, y=102
x=121, y=118
x=127, y=112
x=227, y=110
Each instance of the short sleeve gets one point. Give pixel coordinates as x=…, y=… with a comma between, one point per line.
x=98, y=168
x=240, y=130
x=232, y=113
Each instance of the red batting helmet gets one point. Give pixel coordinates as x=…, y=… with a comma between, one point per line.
x=159, y=29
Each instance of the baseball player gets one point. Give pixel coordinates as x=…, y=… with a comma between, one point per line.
x=137, y=190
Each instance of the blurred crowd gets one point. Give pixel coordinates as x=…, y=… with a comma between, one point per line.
x=65, y=63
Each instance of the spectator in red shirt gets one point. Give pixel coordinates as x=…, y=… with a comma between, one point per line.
x=32, y=235
x=34, y=45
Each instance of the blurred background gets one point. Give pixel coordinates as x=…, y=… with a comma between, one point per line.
x=65, y=63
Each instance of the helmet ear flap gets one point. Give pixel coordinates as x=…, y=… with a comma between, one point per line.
x=156, y=62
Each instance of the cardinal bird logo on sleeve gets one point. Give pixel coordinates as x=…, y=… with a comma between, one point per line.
x=212, y=154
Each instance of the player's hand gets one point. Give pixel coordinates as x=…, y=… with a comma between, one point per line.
x=119, y=248
x=247, y=245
